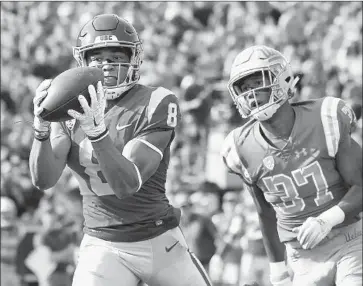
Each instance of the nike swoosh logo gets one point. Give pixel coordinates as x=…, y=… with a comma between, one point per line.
x=120, y=127
x=167, y=249
x=94, y=122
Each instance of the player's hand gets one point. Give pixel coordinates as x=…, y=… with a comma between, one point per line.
x=312, y=232
x=40, y=94
x=315, y=229
x=92, y=120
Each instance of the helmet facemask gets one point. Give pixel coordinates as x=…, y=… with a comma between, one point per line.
x=133, y=67
x=277, y=79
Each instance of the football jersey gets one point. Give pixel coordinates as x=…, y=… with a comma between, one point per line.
x=301, y=179
x=147, y=213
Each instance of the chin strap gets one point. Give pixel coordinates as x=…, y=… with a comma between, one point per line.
x=115, y=92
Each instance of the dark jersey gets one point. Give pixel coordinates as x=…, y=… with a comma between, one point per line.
x=147, y=213
x=301, y=179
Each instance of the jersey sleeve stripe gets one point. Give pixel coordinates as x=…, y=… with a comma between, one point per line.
x=126, y=152
x=329, y=118
x=156, y=97
x=138, y=176
x=152, y=147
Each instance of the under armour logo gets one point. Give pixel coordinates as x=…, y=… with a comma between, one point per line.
x=303, y=152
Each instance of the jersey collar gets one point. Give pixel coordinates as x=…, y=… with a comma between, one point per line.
x=266, y=144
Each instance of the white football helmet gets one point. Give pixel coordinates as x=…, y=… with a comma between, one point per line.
x=270, y=63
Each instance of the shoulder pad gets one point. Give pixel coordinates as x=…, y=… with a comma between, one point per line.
x=163, y=109
x=308, y=103
x=230, y=154
x=236, y=137
x=243, y=131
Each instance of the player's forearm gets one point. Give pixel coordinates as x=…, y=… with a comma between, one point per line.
x=351, y=203
x=275, y=249
x=45, y=169
x=119, y=172
x=349, y=165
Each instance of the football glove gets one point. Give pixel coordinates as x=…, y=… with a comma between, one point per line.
x=92, y=120
x=41, y=92
x=315, y=229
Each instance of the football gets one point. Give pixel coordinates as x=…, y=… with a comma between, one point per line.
x=64, y=91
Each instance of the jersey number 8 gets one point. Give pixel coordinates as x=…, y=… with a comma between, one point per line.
x=172, y=114
x=93, y=176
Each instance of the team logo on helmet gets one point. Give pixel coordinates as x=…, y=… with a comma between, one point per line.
x=103, y=38
x=269, y=162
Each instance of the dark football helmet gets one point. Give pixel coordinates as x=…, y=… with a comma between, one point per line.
x=108, y=30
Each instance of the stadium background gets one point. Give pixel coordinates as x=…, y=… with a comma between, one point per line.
x=188, y=48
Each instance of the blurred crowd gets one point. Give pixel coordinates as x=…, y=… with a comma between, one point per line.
x=189, y=48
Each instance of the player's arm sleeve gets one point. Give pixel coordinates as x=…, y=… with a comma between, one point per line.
x=147, y=149
x=146, y=153
x=268, y=223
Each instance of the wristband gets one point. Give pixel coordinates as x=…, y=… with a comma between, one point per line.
x=285, y=282
x=41, y=139
x=41, y=135
x=99, y=137
x=333, y=216
x=279, y=275
x=278, y=267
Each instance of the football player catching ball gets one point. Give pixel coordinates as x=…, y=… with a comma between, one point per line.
x=303, y=170
x=118, y=150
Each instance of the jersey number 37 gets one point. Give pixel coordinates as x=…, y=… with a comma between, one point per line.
x=292, y=202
